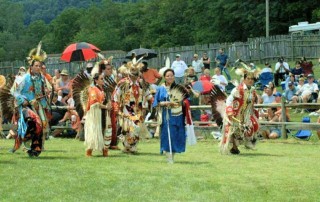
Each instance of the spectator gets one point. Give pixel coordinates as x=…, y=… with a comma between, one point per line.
x=300, y=83
x=308, y=92
x=281, y=69
x=297, y=70
x=57, y=113
x=222, y=62
x=205, y=76
x=206, y=61
x=266, y=68
x=56, y=77
x=179, y=67
x=63, y=86
x=272, y=133
x=18, y=78
x=252, y=66
x=21, y=72
x=307, y=67
x=197, y=65
x=194, y=101
x=219, y=79
x=268, y=97
x=45, y=73
x=290, y=78
x=272, y=87
x=191, y=77
x=151, y=76
x=274, y=114
x=290, y=92
x=204, y=118
x=72, y=115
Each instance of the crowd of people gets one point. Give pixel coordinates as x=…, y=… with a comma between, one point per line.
x=119, y=100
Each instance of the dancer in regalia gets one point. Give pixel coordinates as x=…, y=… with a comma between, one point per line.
x=240, y=123
x=173, y=115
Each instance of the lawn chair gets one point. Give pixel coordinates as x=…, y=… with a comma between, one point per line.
x=303, y=134
x=264, y=79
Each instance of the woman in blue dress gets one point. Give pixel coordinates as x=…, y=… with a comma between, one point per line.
x=173, y=108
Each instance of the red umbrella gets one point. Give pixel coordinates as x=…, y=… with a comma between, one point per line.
x=202, y=86
x=79, y=52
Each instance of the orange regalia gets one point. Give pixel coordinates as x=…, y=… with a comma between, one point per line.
x=93, y=124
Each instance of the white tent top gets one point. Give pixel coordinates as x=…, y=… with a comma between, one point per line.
x=304, y=26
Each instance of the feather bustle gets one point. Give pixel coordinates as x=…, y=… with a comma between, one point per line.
x=80, y=86
x=217, y=98
x=7, y=99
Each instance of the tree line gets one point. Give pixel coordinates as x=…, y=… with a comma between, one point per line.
x=125, y=25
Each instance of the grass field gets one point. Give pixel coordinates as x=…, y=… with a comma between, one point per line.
x=280, y=170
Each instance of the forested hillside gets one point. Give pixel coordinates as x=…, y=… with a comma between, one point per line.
x=115, y=25
x=47, y=10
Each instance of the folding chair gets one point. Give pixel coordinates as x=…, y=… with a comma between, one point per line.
x=303, y=134
x=264, y=79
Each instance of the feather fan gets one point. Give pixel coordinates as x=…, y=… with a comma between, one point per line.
x=178, y=93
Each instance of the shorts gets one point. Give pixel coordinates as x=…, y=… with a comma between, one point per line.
x=276, y=130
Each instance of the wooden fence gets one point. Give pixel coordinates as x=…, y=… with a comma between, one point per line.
x=284, y=125
x=264, y=124
x=257, y=50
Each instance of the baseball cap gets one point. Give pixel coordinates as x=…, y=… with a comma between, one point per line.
x=277, y=94
x=310, y=75
x=266, y=86
x=290, y=83
x=178, y=55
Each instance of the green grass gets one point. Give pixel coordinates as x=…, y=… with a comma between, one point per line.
x=281, y=170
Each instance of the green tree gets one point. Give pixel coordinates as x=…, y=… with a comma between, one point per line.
x=105, y=32
x=65, y=27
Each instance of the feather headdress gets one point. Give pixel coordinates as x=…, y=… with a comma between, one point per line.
x=246, y=70
x=37, y=54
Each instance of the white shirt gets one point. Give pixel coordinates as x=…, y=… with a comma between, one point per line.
x=197, y=65
x=266, y=69
x=308, y=88
x=179, y=67
x=218, y=79
x=284, y=66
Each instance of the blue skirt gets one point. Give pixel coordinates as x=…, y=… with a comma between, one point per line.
x=177, y=134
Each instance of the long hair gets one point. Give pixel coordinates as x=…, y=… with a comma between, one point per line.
x=95, y=77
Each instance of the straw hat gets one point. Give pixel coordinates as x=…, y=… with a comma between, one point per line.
x=64, y=72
